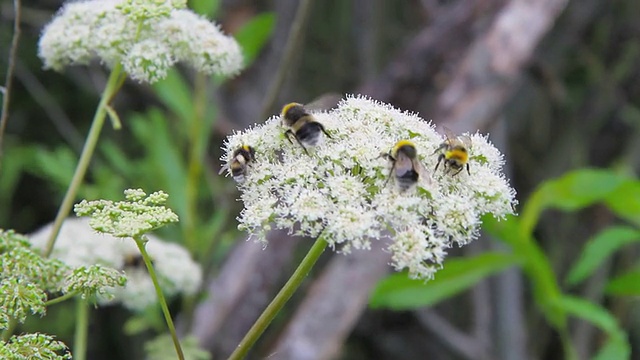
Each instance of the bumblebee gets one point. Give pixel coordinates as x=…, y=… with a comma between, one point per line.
x=302, y=126
x=454, y=152
x=239, y=162
x=405, y=165
x=134, y=261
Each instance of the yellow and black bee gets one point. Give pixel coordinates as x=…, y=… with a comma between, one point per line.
x=239, y=162
x=454, y=152
x=134, y=261
x=302, y=126
x=405, y=164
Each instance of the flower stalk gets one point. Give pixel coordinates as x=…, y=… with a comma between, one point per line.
x=62, y=298
x=280, y=299
x=82, y=329
x=140, y=242
x=110, y=90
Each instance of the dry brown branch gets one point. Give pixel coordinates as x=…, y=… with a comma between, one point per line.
x=424, y=62
x=493, y=65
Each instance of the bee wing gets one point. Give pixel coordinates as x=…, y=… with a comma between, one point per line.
x=466, y=140
x=424, y=175
x=324, y=102
x=402, y=164
x=449, y=134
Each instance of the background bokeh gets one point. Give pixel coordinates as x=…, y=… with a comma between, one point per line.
x=571, y=102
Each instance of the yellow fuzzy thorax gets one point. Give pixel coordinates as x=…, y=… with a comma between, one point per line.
x=457, y=154
x=287, y=107
x=402, y=143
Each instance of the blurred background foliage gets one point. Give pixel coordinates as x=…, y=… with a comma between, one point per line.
x=567, y=266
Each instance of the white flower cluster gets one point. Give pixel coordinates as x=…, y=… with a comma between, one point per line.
x=78, y=244
x=137, y=215
x=146, y=36
x=340, y=190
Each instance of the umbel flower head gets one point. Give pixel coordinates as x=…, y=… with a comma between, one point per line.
x=146, y=36
x=79, y=245
x=340, y=190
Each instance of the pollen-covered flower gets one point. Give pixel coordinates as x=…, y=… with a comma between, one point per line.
x=146, y=36
x=79, y=245
x=341, y=190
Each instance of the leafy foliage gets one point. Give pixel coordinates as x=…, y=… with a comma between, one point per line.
x=398, y=292
x=572, y=192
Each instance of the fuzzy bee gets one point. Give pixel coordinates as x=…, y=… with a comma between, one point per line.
x=134, y=261
x=302, y=126
x=454, y=152
x=239, y=162
x=405, y=165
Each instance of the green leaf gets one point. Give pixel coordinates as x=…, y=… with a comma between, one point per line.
x=165, y=158
x=398, y=292
x=136, y=325
x=590, y=312
x=599, y=248
x=57, y=166
x=573, y=191
x=625, y=285
x=205, y=7
x=625, y=201
x=117, y=158
x=618, y=347
x=175, y=93
x=614, y=348
x=506, y=230
x=535, y=264
x=253, y=35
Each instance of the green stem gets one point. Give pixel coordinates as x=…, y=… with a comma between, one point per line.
x=60, y=299
x=113, y=84
x=278, y=302
x=6, y=334
x=82, y=328
x=163, y=303
x=567, y=346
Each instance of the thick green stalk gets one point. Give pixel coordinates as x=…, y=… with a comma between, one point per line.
x=163, y=303
x=113, y=84
x=82, y=329
x=6, y=334
x=60, y=299
x=278, y=302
